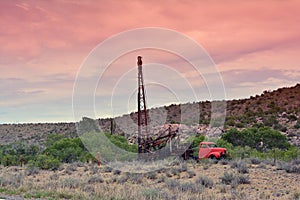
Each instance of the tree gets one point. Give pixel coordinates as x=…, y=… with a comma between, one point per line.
x=13, y=154
x=255, y=137
x=67, y=150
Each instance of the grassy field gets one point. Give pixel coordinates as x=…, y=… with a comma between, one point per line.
x=235, y=179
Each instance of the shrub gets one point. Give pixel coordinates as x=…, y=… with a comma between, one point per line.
x=68, y=150
x=204, y=181
x=184, y=187
x=150, y=193
x=161, y=179
x=121, y=142
x=172, y=184
x=47, y=162
x=262, y=165
x=95, y=179
x=242, y=168
x=191, y=174
x=13, y=154
x=78, y=164
x=94, y=169
x=151, y=175
x=189, y=187
x=176, y=170
x=242, y=179
x=240, y=165
x=122, y=179
x=227, y=178
x=222, y=188
x=89, y=189
x=234, y=180
x=255, y=161
x=54, y=177
x=116, y=172
x=292, y=168
x=71, y=183
x=107, y=169
x=31, y=169
x=136, y=178
x=168, y=174
x=70, y=169
x=184, y=167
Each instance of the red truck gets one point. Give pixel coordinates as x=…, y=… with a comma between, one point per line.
x=210, y=150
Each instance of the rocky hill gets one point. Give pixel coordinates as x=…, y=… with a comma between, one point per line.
x=279, y=109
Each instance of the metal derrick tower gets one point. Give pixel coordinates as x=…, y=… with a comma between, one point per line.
x=150, y=143
x=142, y=109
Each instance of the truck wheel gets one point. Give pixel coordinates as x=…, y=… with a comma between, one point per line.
x=213, y=157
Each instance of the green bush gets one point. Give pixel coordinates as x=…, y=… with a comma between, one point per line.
x=14, y=154
x=47, y=162
x=121, y=142
x=253, y=137
x=68, y=150
x=58, y=150
x=9, y=160
x=247, y=144
x=195, y=141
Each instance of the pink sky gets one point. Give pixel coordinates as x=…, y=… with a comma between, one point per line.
x=255, y=44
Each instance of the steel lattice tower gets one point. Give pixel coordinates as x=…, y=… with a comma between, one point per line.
x=142, y=110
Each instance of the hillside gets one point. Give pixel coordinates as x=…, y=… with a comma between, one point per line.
x=279, y=109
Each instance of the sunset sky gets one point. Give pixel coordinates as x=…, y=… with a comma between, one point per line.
x=254, y=44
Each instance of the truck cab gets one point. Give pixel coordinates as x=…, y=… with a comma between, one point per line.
x=210, y=150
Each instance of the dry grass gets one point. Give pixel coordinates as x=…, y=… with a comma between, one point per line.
x=180, y=181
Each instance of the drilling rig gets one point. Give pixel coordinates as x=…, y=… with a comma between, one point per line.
x=150, y=143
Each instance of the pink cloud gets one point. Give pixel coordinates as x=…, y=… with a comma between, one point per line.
x=231, y=28
x=42, y=38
